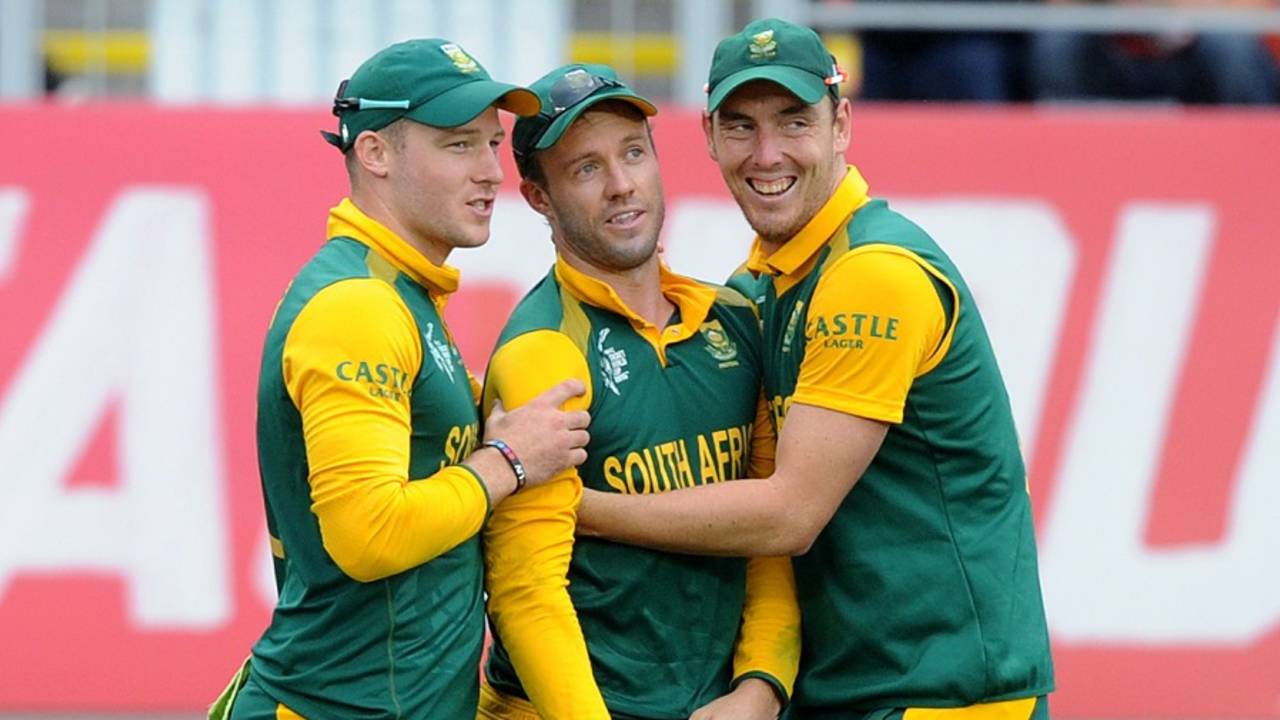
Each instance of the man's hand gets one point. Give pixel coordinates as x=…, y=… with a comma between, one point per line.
x=545, y=438
x=753, y=699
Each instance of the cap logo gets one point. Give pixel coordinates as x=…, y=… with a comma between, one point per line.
x=578, y=79
x=763, y=46
x=460, y=58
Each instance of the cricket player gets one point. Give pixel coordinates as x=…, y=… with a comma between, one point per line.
x=374, y=472
x=672, y=366
x=899, y=485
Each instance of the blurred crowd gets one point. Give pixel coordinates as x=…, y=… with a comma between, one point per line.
x=1204, y=68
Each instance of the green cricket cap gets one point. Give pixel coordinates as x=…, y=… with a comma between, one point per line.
x=790, y=55
x=566, y=93
x=431, y=81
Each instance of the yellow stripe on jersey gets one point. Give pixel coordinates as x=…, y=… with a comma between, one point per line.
x=875, y=323
x=574, y=324
x=529, y=544
x=277, y=547
x=1020, y=709
x=348, y=364
x=381, y=268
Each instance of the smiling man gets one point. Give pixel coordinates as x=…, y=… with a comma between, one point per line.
x=899, y=484
x=672, y=366
x=375, y=478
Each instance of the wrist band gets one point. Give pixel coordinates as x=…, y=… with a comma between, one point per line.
x=517, y=467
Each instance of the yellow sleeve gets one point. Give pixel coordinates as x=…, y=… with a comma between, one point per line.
x=351, y=338
x=769, y=642
x=764, y=441
x=529, y=543
x=875, y=323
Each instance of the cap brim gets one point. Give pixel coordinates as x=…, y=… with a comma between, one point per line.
x=562, y=123
x=801, y=83
x=462, y=104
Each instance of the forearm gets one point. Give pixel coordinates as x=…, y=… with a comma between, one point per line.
x=528, y=547
x=377, y=526
x=545, y=644
x=494, y=472
x=738, y=518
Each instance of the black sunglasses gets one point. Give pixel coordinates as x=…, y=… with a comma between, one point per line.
x=572, y=88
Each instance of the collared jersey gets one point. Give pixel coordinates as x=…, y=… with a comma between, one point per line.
x=923, y=590
x=669, y=408
x=364, y=412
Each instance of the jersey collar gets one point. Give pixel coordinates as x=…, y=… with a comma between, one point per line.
x=795, y=253
x=692, y=298
x=347, y=220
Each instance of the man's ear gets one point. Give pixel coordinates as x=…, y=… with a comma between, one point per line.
x=842, y=126
x=373, y=153
x=536, y=196
x=708, y=125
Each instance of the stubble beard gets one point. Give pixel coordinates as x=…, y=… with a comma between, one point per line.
x=778, y=231
x=595, y=249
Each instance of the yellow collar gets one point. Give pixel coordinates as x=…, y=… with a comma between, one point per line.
x=795, y=253
x=347, y=220
x=692, y=298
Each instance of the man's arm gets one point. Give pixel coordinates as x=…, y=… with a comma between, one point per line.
x=821, y=454
x=845, y=400
x=529, y=543
x=375, y=521
x=767, y=655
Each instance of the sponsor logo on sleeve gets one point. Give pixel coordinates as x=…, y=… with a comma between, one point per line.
x=849, y=331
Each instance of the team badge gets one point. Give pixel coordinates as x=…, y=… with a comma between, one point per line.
x=460, y=58
x=719, y=346
x=578, y=80
x=763, y=46
x=790, y=333
x=613, y=363
x=440, y=351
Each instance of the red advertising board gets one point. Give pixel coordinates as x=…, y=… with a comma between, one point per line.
x=1125, y=262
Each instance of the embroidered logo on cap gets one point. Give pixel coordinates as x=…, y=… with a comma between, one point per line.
x=460, y=58
x=763, y=46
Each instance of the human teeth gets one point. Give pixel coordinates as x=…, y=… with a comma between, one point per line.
x=625, y=217
x=772, y=187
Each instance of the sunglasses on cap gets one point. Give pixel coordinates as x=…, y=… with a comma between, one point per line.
x=571, y=89
x=342, y=103
x=574, y=87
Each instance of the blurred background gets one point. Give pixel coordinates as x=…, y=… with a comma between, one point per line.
x=1103, y=172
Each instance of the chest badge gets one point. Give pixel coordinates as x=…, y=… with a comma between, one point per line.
x=719, y=345
x=613, y=363
x=440, y=351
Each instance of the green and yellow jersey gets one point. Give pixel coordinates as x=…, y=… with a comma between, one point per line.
x=364, y=413
x=582, y=625
x=923, y=589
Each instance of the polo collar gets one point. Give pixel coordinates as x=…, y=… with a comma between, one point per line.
x=693, y=299
x=347, y=220
x=795, y=253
